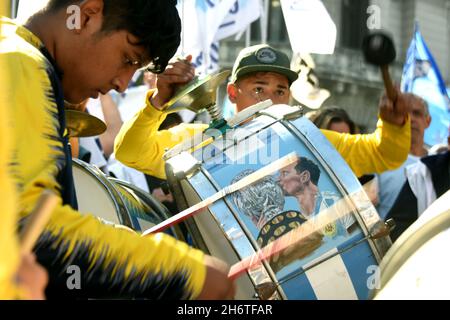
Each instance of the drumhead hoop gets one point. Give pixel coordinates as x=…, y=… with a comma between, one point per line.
x=413, y=238
x=106, y=187
x=162, y=213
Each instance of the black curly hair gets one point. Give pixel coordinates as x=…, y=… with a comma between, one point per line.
x=305, y=164
x=154, y=22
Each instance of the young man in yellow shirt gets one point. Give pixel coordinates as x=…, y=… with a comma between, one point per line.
x=20, y=277
x=73, y=50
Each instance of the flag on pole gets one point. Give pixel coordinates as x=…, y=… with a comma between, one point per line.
x=310, y=27
x=422, y=77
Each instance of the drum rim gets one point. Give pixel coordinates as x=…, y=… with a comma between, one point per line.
x=93, y=171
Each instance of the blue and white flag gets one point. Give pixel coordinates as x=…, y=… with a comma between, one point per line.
x=421, y=76
x=206, y=22
x=240, y=16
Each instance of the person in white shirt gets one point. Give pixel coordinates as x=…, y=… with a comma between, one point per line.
x=391, y=182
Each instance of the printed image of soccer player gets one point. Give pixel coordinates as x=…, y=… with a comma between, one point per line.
x=300, y=180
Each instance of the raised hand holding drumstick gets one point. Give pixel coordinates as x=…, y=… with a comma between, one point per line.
x=32, y=276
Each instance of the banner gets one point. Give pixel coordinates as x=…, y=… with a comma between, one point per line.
x=310, y=27
x=422, y=77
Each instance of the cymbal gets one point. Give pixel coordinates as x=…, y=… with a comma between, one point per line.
x=82, y=124
x=198, y=94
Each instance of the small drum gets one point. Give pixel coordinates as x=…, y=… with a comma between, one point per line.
x=116, y=201
x=335, y=261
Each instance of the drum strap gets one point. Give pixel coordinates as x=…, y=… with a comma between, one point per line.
x=65, y=176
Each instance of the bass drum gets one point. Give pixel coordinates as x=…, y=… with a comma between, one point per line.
x=335, y=261
x=116, y=201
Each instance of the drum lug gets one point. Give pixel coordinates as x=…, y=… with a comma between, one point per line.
x=382, y=229
x=184, y=165
x=294, y=115
x=265, y=290
x=181, y=175
x=248, y=113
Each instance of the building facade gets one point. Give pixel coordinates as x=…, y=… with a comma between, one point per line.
x=355, y=85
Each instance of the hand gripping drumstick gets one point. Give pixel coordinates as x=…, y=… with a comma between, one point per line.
x=248, y=180
x=331, y=214
x=37, y=221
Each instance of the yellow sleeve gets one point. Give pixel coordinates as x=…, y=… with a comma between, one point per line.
x=141, y=146
x=114, y=263
x=9, y=249
x=119, y=262
x=385, y=149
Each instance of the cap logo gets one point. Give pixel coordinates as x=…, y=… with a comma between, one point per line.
x=266, y=55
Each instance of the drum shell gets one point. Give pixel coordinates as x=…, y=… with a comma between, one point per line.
x=116, y=201
x=339, y=272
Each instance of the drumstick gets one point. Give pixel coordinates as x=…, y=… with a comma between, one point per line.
x=248, y=180
x=37, y=220
x=339, y=209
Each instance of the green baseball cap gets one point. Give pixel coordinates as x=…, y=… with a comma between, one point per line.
x=262, y=58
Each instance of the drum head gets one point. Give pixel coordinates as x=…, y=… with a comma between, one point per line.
x=415, y=260
x=94, y=192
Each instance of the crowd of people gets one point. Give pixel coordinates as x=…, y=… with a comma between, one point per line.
x=45, y=65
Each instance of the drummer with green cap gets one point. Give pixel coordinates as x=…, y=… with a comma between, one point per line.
x=260, y=72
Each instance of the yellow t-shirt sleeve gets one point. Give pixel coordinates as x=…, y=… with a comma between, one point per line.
x=141, y=146
x=9, y=249
x=131, y=257
x=384, y=149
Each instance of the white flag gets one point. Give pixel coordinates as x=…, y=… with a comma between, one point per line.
x=310, y=27
x=200, y=21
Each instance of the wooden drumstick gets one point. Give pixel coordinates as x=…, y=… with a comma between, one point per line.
x=37, y=221
x=245, y=182
x=388, y=85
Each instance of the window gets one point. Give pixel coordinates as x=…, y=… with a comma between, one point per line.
x=354, y=18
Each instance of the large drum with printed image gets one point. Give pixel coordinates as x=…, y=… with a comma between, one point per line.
x=338, y=260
